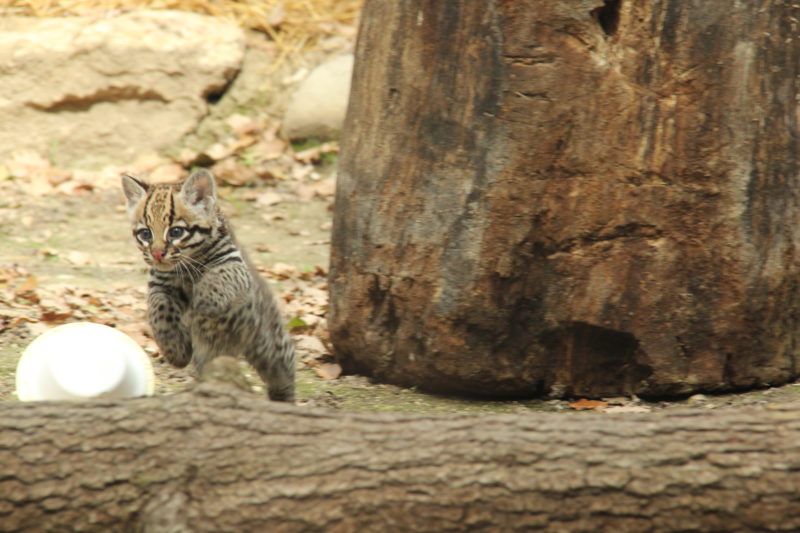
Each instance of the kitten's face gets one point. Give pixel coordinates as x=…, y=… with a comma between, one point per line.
x=171, y=222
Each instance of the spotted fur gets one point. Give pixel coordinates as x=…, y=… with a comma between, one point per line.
x=204, y=297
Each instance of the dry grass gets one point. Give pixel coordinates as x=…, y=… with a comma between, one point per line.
x=292, y=24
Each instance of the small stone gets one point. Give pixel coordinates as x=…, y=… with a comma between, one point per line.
x=317, y=108
x=696, y=399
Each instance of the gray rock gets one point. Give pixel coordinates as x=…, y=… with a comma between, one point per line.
x=89, y=91
x=319, y=103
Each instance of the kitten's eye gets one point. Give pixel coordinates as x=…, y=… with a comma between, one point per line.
x=145, y=235
x=176, y=232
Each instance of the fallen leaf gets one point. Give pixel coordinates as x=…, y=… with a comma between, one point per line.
x=55, y=316
x=29, y=284
x=148, y=162
x=268, y=198
x=241, y=124
x=47, y=252
x=584, y=404
x=325, y=187
x=283, y=270
x=310, y=155
x=19, y=320
x=166, y=174
x=301, y=172
x=328, y=370
x=232, y=173
x=269, y=217
x=270, y=149
x=309, y=344
x=296, y=323
x=78, y=258
x=303, y=192
x=218, y=151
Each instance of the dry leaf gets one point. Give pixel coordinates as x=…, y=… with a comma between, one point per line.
x=310, y=155
x=269, y=217
x=78, y=258
x=148, y=162
x=218, y=151
x=242, y=124
x=325, y=187
x=47, y=252
x=301, y=172
x=53, y=316
x=309, y=344
x=187, y=156
x=584, y=404
x=166, y=174
x=328, y=370
x=29, y=284
x=268, y=198
x=270, y=149
x=283, y=270
x=304, y=192
x=233, y=173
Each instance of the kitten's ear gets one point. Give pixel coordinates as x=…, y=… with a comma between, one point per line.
x=200, y=191
x=134, y=190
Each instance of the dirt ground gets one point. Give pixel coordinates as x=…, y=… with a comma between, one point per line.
x=67, y=258
x=66, y=254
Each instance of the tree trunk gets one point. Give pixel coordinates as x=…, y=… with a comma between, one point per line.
x=216, y=460
x=571, y=197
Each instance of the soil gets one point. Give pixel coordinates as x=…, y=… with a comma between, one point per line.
x=75, y=255
x=38, y=234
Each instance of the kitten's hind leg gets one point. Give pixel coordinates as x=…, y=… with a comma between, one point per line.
x=204, y=350
x=276, y=367
x=280, y=382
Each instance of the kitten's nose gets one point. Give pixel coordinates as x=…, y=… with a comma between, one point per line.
x=158, y=255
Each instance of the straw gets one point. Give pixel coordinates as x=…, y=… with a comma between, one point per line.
x=291, y=24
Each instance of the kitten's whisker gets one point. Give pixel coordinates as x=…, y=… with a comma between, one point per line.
x=191, y=267
x=198, y=266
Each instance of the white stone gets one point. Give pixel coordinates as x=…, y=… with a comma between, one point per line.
x=97, y=90
x=318, y=105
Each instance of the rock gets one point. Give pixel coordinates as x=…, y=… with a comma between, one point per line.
x=318, y=106
x=93, y=90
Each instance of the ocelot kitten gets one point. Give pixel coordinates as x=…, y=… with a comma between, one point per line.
x=204, y=298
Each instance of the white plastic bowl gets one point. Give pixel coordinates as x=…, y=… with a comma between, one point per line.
x=83, y=360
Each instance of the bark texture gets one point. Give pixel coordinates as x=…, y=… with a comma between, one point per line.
x=216, y=460
x=571, y=197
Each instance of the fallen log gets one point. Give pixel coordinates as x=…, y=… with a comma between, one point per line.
x=221, y=460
